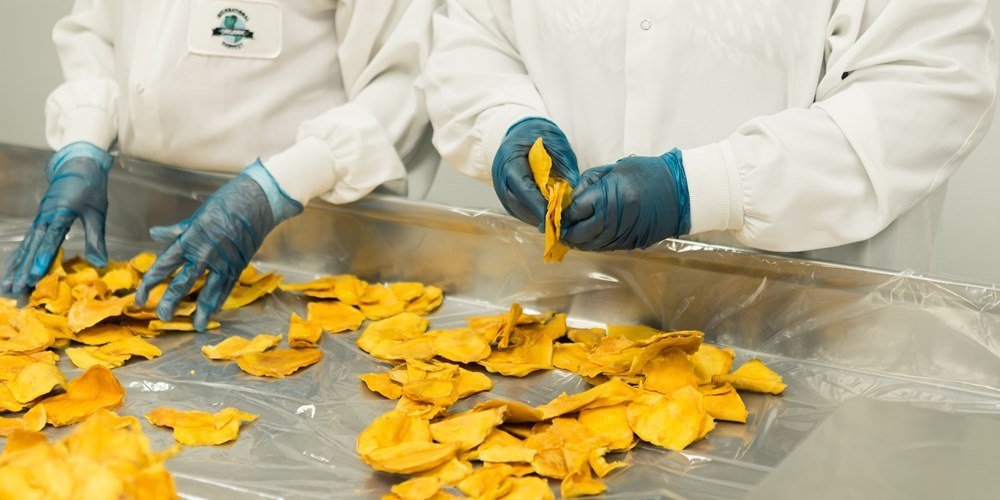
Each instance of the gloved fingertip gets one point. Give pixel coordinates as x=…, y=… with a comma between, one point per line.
x=141, y=294
x=200, y=320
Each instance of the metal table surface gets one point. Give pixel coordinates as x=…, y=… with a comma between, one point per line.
x=834, y=332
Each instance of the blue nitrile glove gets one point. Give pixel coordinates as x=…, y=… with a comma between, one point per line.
x=512, y=178
x=634, y=203
x=222, y=236
x=78, y=189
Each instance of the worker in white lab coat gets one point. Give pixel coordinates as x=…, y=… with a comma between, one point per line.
x=785, y=126
x=302, y=98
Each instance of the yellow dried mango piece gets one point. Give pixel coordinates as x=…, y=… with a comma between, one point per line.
x=724, y=403
x=579, y=481
x=633, y=332
x=392, y=428
x=12, y=364
x=250, y=275
x=427, y=302
x=96, y=389
x=322, y=283
x=35, y=380
x=687, y=341
x=461, y=345
x=91, y=290
x=179, y=325
x=589, y=337
x=335, y=317
x=418, y=488
x=378, y=302
x=505, y=454
x=234, y=347
x=82, y=275
x=517, y=412
x=451, y=472
x=710, y=361
x=87, y=312
x=496, y=438
x=345, y=288
x=86, y=357
x=27, y=335
x=7, y=401
x=753, y=376
x=569, y=357
x=487, y=482
x=528, y=488
x=407, y=291
x=103, y=334
x=610, y=423
x=556, y=192
x=467, y=429
x=669, y=371
x=531, y=351
x=120, y=278
x=381, y=337
x=410, y=457
x=673, y=422
x=245, y=294
x=607, y=394
x=468, y=383
x=500, y=331
x=198, y=428
x=142, y=262
x=32, y=421
x=53, y=293
x=382, y=384
x=279, y=362
x=303, y=333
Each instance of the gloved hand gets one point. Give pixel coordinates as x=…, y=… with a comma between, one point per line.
x=634, y=203
x=78, y=188
x=222, y=236
x=512, y=178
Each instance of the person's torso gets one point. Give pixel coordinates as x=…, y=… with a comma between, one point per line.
x=214, y=84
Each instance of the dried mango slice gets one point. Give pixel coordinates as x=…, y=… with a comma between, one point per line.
x=184, y=309
x=335, y=317
x=506, y=454
x=250, y=275
x=556, y=192
x=710, y=361
x=531, y=351
x=35, y=380
x=468, y=429
x=198, y=428
x=12, y=364
x=410, y=457
x=82, y=275
x=669, y=371
x=753, y=376
x=96, y=389
x=113, y=354
x=53, y=293
x=487, y=482
x=461, y=345
x=323, y=283
x=610, y=423
x=32, y=421
x=382, y=384
x=243, y=295
x=450, y=472
x=724, y=403
x=673, y=422
x=687, y=341
x=600, y=465
x=120, y=278
x=381, y=337
x=418, y=488
x=407, y=291
x=31, y=335
x=179, y=325
x=103, y=334
x=517, y=413
x=525, y=488
x=427, y=302
x=589, y=337
x=569, y=357
x=378, y=302
x=142, y=262
x=234, y=347
x=345, y=288
x=392, y=428
x=303, y=333
x=607, y=394
x=7, y=400
x=87, y=312
x=633, y=332
x=279, y=362
x=579, y=481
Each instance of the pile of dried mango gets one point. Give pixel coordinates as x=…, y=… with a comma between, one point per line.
x=90, y=314
x=664, y=388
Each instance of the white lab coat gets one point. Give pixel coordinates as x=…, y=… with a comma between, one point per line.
x=804, y=125
x=323, y=90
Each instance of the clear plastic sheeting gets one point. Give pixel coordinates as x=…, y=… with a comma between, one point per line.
x=833, y=332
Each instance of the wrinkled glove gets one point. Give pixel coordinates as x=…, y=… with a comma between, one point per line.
x=78, y=189
x=512, y=177
x=222, y=236
x=634, y=203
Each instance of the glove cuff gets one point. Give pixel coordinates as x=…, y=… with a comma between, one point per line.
x=80, y=149
x=675, y=163
x=532, y=118
x=283, y=206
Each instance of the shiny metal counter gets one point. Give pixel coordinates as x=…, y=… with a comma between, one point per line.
x=834, y=332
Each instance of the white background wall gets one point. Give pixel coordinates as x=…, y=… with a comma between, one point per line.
x=969, y=246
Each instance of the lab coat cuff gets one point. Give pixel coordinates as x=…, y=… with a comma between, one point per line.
x=493, y=125
x=714, y=188
x=86, y=124
x=303, y=171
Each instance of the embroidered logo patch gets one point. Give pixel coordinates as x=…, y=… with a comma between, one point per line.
x=232, y=29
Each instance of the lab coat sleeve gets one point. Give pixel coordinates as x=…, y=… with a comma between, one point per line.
x=346, y=152
x=477, y=84
x=84, y=107
x=907, y=92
